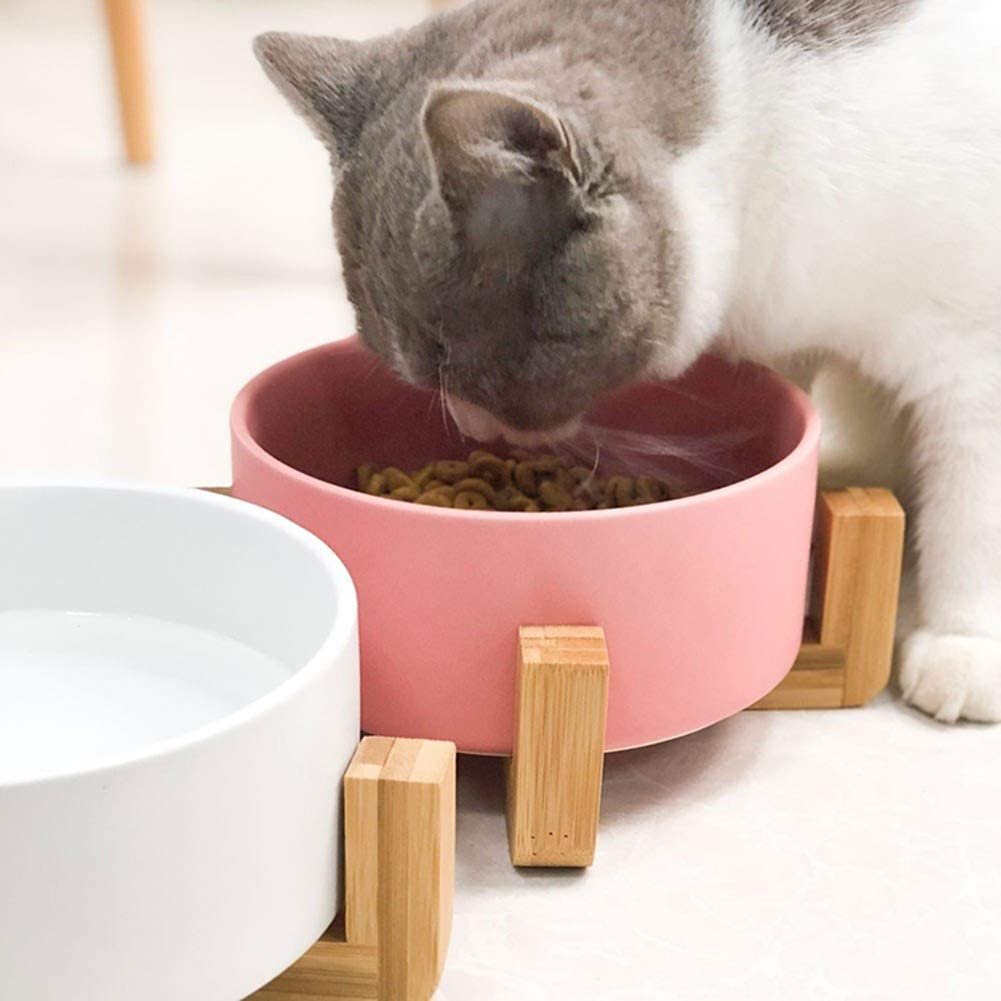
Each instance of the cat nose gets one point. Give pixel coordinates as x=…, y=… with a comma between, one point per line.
x=475, y=422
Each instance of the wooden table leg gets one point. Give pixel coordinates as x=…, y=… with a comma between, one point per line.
x=124, y=18
x=555, y=772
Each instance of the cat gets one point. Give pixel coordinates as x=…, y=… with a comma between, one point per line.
x=539, y=200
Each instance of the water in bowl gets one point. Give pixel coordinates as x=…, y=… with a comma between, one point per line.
x=77, y=689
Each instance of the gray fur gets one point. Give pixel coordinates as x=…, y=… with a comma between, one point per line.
x=500, y=231
x=821, y=23
x=508, y=246
x=320, y=77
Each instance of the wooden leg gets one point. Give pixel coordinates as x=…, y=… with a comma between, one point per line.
x=399, y=825
x=361, y=841
x=555, y=772
x=416, y=867
x=124, y=19
x=332, y=970
x=848, y=644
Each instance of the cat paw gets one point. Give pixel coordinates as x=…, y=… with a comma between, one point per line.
x=952, y=677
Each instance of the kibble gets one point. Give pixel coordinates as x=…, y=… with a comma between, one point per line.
x=521, y=482
x=451, y=471
x=471, y=499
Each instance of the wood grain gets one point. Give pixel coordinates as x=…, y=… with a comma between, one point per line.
x=416, y=867
x=400, y=862
x=847, y=649
x=333, y=970
x=555, y=772
x=812, y=656
x=125, y=29
x=361, y=841
x=813, y=688
x=862, y=544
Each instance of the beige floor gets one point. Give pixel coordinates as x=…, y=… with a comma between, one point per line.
x=851, y=856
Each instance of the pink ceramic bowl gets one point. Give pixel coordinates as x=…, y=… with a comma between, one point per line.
x=701, y=598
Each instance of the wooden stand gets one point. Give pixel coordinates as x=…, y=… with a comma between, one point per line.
x=847, y=646
x=555, y=772
x=399, y=847
x=554, y=775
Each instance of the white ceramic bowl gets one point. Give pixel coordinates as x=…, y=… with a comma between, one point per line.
x=178, y=703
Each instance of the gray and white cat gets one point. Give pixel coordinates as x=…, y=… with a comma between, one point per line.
x=539, y=200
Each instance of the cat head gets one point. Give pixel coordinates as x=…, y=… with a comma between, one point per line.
x=494, y=245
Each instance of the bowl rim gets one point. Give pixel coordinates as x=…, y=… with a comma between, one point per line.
x=807, y=444
x=343, y=625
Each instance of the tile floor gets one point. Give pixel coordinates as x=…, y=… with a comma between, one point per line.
x=843, y=856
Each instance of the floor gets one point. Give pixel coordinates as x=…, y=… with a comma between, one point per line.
x=828, y=856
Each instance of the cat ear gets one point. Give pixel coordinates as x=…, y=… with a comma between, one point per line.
x=330, y=81
x=478, y=136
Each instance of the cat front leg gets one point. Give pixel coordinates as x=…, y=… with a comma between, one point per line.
x=951, y=665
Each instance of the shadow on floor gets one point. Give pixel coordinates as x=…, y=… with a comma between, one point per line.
x=683, y=771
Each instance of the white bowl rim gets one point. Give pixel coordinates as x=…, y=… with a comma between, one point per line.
x=808, y=442
x=342, y=626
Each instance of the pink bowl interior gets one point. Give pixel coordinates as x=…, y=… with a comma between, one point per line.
x=325, y=412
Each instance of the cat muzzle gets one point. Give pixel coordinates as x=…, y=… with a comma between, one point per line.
x=475, y=422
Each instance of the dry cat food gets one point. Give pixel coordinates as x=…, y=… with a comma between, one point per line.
x=523, y=482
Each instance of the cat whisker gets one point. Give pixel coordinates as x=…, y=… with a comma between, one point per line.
x=443, y=395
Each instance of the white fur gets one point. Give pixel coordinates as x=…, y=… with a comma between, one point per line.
x=848, y=202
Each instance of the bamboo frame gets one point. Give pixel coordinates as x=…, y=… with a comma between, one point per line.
x=555, y=772
x=399, y=846
x=847, y=646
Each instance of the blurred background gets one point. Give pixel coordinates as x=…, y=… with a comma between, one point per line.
x=135, y=300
